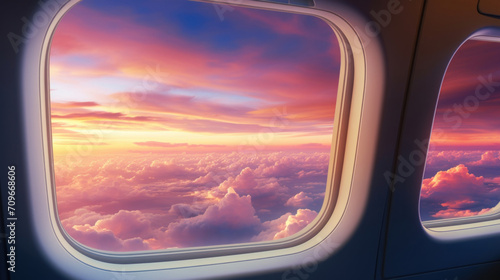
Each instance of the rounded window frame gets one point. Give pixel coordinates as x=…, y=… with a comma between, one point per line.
x=461, y=227
x=359, y=57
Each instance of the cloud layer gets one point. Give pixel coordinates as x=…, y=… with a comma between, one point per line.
x=159, y=201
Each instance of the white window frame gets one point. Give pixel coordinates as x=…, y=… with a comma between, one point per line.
x=354, y=153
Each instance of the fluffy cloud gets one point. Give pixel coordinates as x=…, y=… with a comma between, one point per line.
x=299, y=200
x=284, y=167
x=286, y=225
x=457, y=192
x=231, y=220
x=267, y=191
x=123, y=231
x=455, y=181
x=489, y=158
x=186, y=210
x=126, y=224
x=105, y=239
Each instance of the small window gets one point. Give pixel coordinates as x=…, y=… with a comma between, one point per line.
x=462, y=173
x=179, y=124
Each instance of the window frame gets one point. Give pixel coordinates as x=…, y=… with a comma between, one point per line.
x=332, y=185
x=461, y=223
x=336, y=227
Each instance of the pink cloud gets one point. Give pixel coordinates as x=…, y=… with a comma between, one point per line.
x=459, y=192
x=495, y=180
x=454, y=213
x=295, y=223
x=265, y=190
x=231, y=220
x=184, y=210
x=126, y=224
x=456, y=181
x=299, y=200
x=82, y=216
x=457, y=203
x=244, y=182
x=284, y=167
x=286, y=225
x=105, y=240
x=489, y=158
x=123, y=231
x=163, y=171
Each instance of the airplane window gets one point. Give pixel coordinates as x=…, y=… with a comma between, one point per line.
x=180, y=124
x=462, y=173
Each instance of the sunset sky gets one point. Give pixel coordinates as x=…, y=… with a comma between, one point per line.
x=462, y=175
x=175, y=125
x=174, y=72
